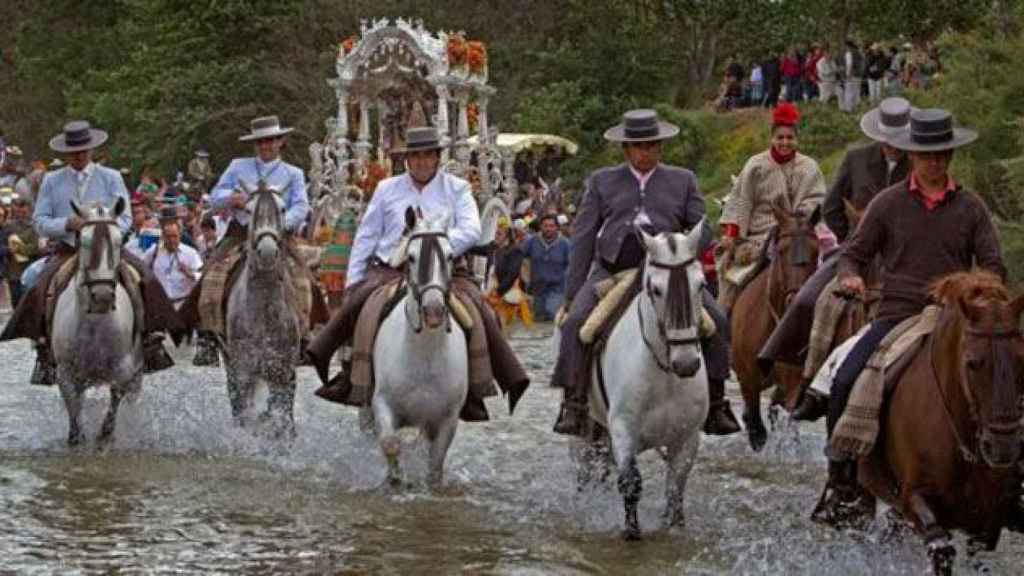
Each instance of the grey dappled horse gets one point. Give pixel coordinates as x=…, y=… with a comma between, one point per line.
x=262, y=326
x=654, y=378
x=94, y=337
x=420, y=361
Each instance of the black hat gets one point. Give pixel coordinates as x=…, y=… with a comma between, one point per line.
x=641, y=126
x=168, y=214
x=77, y=137
x=932, y=130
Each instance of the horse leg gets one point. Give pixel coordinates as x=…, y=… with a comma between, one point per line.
x=938, y=540
x=107, y=429
x=236, y=394
x=281, y=405
x=757, y=434
x=680, y=460
x=390, y=443
x=440, y=438
x=630, y=482
x=73, y=403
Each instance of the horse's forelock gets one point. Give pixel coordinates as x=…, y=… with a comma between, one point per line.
x=969, y=287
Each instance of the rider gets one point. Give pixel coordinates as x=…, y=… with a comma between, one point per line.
x=85, y=182
x=231, y=193
x=433, y=191
x=605, y=242
x=922, y=228
x=865, y=171
x=748, y=217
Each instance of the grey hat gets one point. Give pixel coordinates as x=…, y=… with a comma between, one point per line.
x=78, y=136
x=932, y=130
x=891, y=118
x=641, y=126
x=421, y=139
x=264, y=127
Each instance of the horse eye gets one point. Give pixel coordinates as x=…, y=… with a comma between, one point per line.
x=656, y=291
x=973, y=364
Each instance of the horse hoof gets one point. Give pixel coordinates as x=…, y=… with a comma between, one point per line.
x=391, y=446
x=758, y=438
x=632, y=534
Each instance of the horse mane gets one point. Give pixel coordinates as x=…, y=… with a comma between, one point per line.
x=678, y=305
x=969, y=286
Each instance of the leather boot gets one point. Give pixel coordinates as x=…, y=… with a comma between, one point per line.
x=44, y=373
x=720, y=420
x=206, y=350
x=572, y=418
x=154, y=357
x=812, y=405
x=338, y=388
x=843, y=503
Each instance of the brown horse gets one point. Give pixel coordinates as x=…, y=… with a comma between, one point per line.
x=950, y=438
x=794, y=261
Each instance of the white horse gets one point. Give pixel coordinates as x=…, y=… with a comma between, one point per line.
x=94, y=336
x=653, y=379
x=419, y=358
x=262, y=326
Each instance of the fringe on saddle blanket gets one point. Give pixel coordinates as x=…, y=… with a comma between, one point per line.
x=857, y=430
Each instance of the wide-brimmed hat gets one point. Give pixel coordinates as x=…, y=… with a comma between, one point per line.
x=78, y=136
x=421, y=139
x=891, y=118
x=641, y=126
x=932, y=130
x=264, y=127
x=202, y=153
x=14, y=151
x=56, y=163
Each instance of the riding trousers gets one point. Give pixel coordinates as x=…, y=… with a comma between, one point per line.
x=852, y=366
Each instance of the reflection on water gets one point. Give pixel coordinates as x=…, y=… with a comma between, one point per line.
x=182, y=490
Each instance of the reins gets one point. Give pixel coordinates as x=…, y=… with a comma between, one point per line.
x=418, y=290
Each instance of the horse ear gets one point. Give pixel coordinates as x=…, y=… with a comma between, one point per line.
x=410, y=219
x=648, y=240
x=76, y=209
x=119, y=207
x=780, y=206
x=815, y=216
x=852, y=214
x=694, y=237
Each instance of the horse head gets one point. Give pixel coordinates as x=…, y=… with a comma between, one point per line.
x=266, y=227
x=99, y=253
x=671, y=293
x=796, y=255
x=989, y=360
x=426, y=255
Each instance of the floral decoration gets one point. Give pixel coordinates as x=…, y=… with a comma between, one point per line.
x=476, y=56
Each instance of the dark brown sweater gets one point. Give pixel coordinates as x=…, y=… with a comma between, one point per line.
x=918, y=246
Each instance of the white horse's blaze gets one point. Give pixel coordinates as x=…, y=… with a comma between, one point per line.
x=421, y=371
x=649, y=404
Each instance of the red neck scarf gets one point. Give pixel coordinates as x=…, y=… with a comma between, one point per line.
x=782, y=158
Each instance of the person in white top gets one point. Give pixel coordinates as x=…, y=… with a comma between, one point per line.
x=176, y=265
x=428, y=187
x=828, y=76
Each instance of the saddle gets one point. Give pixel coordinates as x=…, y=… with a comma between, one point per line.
x=128, y=278
x=748, y=260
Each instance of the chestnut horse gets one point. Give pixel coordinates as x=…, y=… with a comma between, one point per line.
x=950, y=437
x=794, y=261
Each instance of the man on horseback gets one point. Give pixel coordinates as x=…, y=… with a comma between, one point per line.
x=231, y=193
x=85, y=182
x=922, y=228
x=865, y=171
x=605, y=242
x=380, y=232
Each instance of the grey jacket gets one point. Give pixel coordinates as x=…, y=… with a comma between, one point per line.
x=612, y=202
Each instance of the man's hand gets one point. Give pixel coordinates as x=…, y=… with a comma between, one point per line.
x=238, y=199
x=563, y=313
x=74, y=224
x=852, y=286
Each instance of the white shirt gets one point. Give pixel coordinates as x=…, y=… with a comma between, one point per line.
x=165, y=266
x=383, y=223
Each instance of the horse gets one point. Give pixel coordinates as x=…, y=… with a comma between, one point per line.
x=261, y=321
x=794, y=261
x=95, y=336
x=651, y=378
x=950, y=436
x=420, y=360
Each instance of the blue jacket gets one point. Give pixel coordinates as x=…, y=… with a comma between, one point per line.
x=548, y=262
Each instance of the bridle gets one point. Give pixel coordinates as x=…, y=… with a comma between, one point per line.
x=89, y=280
x=418, y=290
x=790, y=291
x=970, y=456
x=671, y=337
x=272, y=232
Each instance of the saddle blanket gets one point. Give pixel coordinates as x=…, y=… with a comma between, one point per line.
x=828, y=311
x=857, y=430
x=611, y=293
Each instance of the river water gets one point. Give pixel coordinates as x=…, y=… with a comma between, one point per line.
x=183, y=491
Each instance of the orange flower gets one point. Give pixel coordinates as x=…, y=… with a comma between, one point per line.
x=349, y=44
x=473, y=112
x=374, y=174
x=476, y=56
x=456, y=50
